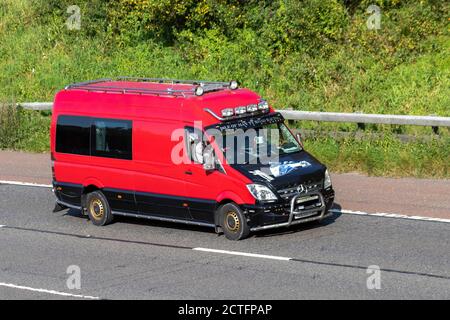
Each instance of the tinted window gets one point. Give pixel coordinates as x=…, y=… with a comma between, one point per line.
x=112, y=138
x=73, y=135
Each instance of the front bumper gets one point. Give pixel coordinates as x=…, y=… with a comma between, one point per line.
x=285, y=214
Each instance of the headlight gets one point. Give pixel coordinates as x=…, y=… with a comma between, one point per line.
x=327, y=181
x=261, y=192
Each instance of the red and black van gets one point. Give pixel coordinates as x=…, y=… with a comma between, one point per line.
x=182, y=151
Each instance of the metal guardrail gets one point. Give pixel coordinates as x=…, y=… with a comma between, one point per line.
x=427, y=121
x=38, y=106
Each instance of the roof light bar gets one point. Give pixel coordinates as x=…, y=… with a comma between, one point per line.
x=243, y=111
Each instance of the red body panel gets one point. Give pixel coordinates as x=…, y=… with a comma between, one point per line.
x=154, y=119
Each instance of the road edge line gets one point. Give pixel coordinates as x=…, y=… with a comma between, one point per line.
x=391, y=215
x=27, y=184
x=54, y=292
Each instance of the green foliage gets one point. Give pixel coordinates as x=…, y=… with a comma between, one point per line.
x=140, y=20
x=310, y=26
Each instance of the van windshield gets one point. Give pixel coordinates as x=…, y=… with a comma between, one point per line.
x=263, y=144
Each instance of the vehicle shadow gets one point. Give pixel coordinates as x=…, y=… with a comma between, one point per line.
x=145, y=222
x=260, y=234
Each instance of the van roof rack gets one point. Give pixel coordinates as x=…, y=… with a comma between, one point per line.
x=199, y=86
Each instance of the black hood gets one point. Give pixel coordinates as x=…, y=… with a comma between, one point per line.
x=304, y=168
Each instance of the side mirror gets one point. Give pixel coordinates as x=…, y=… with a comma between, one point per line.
x=209, y=163
x=299, y=139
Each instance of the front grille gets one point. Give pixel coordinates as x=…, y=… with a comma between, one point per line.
x=288, y=191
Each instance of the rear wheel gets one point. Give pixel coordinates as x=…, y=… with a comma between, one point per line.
x=98, y=209
x=233, y=222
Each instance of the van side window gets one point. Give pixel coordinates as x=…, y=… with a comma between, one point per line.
x=112, y=138
x=194, y=144
x=73, y=135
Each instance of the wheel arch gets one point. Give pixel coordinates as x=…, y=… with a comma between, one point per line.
x=90, y=185
x=224, y=198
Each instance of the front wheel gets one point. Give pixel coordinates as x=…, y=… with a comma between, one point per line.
x=98, y=209
x=233, y=222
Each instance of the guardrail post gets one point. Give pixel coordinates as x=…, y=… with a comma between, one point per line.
x=434, y=128
x=290, y=121
x=361, y=125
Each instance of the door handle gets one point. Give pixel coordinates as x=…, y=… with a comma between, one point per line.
x=188, y=172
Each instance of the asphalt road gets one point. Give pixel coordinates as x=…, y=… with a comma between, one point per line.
x=135, y=259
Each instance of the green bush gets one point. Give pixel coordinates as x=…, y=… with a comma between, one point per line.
x=140, y=20
x=310, y=26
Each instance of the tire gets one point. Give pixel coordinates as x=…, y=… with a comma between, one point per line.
x=233, y=222
x=98, y=209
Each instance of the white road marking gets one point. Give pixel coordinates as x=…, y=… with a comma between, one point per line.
x=238, y=253
x=391, y=215
x=27, y=184
x=58, y=293
x=2, y=225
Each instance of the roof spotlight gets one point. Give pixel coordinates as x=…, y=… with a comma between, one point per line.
x=233, y=85
x=252, y=108
x=240, y=110
x=199, y=91
x=227, y=112
x=263, y=105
